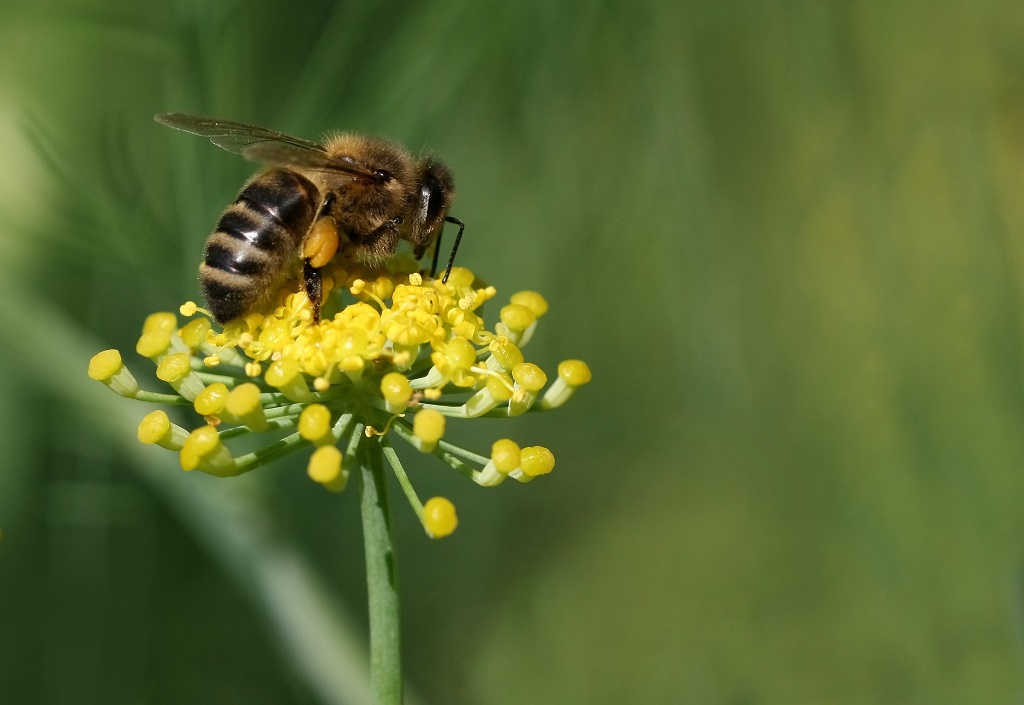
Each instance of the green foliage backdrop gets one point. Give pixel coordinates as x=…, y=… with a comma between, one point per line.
x=789, y=240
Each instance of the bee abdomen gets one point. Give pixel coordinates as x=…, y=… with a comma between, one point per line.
x=256, y=239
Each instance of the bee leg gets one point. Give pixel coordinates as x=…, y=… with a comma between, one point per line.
x=314, y=287
x=455, y=247
x=377, y=245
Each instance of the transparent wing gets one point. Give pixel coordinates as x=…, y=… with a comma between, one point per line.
x=230, y=135
x=284, y=154
x=259, y=144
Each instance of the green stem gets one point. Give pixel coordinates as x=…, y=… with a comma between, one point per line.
x=403, y=478
x=258, y=458
x=158, y=398
x=381, y=576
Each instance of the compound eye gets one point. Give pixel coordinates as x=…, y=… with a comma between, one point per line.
x=382, y=175
x=433, y=194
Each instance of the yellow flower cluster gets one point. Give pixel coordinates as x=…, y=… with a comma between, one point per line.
x=390, y=344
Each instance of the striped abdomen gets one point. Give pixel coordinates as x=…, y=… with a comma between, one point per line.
x=257, y=239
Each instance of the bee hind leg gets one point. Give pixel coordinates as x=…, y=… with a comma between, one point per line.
x=314, y=286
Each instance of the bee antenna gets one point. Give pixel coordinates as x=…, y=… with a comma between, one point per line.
x=455, y=247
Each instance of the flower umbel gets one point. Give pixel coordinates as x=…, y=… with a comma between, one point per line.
x=395, y=354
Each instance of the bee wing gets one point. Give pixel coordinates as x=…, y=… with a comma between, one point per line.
x=259, y=144
x=285, y=154
x=230, y=135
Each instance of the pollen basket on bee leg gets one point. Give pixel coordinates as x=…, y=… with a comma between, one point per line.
x=321, y=244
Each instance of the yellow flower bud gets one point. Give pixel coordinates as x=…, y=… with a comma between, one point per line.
x=575, y=373
x=203, y=451
x=212, y=400
x=174, y=368
x=505, y=352
x=428, y=426
x=315, y=424
x=107, y=367
x=284, y=374
x=163, y=320
x=326, y=468
x=154, y=343
x=157, y=428
x=439, y=517
x=536, y=460
x=505, y=455
x=531, y=300
x=243, y=403
x=396, y=390
x=193, y=333
x=517, y=317
x=529, y=376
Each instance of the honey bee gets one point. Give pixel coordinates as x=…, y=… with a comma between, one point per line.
x=357, y=193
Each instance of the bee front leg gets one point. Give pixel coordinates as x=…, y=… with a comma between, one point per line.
x=314, y=287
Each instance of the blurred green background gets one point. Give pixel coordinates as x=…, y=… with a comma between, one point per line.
x=789, y=240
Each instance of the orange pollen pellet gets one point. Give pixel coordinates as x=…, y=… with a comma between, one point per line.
x=321, y=243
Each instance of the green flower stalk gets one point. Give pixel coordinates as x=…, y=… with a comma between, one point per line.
x=395, y=356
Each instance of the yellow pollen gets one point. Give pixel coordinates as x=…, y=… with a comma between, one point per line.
x=321, y=243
